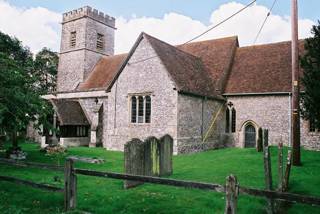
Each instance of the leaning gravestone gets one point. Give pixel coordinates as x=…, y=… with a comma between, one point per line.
x=134, y=161
x=166, y=152
x=152, y=157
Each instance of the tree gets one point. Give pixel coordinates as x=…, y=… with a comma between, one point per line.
x=20, y=102
x=310, y=63
x=45, y=69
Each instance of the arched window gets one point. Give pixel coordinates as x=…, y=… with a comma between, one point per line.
x=233, y=120
x=148, y=109
x=141, y=109
x=227, y=120
x=133, y=109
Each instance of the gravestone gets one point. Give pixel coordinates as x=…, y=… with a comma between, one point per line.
x=166, y=153
x=134, y=161
x=152, y=157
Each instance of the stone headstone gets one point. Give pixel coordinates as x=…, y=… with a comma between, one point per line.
x=134, y=161
x=152, y=157
x=166, y=153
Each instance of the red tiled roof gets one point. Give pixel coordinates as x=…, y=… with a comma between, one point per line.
x=204, y=67
x=187, y=71
x=262, y=69
x=216, y=55
x=103, y=72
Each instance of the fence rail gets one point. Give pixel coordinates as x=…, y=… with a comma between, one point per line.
x=231, y=189
x=31, y=164
x=154, y=180
x=31, y=184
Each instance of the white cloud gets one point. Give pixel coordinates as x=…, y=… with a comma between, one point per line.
x=175, y=28
x=39, y=27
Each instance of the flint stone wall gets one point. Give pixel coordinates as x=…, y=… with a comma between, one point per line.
x=194, y=119
x=144, y=77
x=269, y=112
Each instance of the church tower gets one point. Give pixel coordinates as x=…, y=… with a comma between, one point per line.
x=87, y=35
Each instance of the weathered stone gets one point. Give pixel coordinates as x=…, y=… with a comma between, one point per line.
x=166, y=153
x=152, y=156
x=75, y=63
x=134, y=161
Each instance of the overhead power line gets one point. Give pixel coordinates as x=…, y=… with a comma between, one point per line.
x=205, y=32
x=264, y=22
x=223, y=21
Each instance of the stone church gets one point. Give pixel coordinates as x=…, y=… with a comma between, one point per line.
x=206, y=94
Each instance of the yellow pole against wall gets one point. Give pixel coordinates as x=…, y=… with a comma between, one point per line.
x=207, y=135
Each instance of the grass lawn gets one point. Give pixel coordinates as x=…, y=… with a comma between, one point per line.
x=97, y=195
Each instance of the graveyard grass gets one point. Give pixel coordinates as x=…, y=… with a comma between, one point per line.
x=98, y=195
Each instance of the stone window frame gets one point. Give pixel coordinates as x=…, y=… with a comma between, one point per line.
x=144, y=120
x=231, y=119
x=73, y=39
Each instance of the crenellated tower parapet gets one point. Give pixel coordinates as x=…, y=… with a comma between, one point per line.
x=91, y=13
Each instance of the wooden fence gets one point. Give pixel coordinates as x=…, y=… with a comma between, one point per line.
x=232, y=189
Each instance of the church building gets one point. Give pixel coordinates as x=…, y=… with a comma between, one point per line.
x=205, y=95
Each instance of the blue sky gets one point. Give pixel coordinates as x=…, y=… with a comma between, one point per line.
x=37, y=22
x=197, y=9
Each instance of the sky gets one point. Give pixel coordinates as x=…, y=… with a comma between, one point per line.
x=37, y=22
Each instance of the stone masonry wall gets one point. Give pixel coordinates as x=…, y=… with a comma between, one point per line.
x=150, y=77
x=270, y=112
x=195, y=116
x=76, y=63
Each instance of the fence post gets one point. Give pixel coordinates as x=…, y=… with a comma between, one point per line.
x=232, y=190
x=70, y=185
x=267, y=167
x=285, y=184
x=280, y=166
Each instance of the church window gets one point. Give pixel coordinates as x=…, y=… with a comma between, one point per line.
x=133, y=109
x=73, y=38
x=140, y=109
x=227, y=120
x=230, y=118
x=233, y=120
x=148, y=109
x=100, y=41
x=312, y=125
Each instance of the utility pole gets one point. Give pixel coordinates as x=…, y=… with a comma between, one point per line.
x=295, y=110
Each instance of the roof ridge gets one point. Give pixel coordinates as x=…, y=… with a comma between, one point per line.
x=172, y=46
x=268, y=44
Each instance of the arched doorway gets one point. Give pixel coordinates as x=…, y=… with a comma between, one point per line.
x=250, y=136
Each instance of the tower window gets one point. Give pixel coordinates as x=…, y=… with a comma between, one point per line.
x=73, y=38
x=140, y=109
x=100, y=41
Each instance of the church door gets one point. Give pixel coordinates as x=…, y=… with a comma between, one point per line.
x=250, y=136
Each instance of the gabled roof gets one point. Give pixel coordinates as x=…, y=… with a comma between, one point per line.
x=103, y=72
x=69, y=112
x=262, y=69
x=209, y=68
x=187, y=71
x=192, y=66
x=217, y=56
